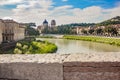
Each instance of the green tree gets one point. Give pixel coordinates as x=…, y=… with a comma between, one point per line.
x=91, y=31
x=31, y=31
x=84, y=31
x=111, y=31
x=99, y=31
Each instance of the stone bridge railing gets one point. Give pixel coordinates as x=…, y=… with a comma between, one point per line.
x=84, y=66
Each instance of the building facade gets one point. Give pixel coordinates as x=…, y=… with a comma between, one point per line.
x=1, y=29
x=45, y=23
x=11, y=31
x=53, y=23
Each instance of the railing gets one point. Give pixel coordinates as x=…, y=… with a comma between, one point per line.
x=84, y=66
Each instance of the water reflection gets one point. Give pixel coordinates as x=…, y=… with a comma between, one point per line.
x=77, y=46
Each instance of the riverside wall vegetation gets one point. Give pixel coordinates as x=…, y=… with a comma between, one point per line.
x=84, y=66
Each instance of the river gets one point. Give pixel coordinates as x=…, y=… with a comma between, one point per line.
x=76, y=46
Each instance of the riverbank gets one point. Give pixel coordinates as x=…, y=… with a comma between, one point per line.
x=54, y=36
x=111, y=41
x=45, y=37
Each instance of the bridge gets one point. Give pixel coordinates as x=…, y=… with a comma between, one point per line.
x=84, y=66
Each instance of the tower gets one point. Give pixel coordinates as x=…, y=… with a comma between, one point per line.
x=53, y=23
x=45, y=23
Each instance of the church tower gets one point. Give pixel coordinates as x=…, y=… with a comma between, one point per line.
x=45, y=23
x=53, y=23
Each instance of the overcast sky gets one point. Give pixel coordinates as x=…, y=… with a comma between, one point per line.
x=63, y=11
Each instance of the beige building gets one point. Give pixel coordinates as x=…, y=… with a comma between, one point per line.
x=53, y=23
x=40, y=28
x=79, y=30
x=11, y=31
x=1, y=30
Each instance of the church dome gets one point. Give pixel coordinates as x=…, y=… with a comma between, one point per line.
x=45, y=22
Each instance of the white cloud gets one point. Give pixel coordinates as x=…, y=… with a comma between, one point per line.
x=5, y=2
x=7, y=18
x=38, y=10
x=4, y=13
x=64, y=0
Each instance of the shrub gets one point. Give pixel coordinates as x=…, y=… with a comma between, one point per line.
x=33, y=47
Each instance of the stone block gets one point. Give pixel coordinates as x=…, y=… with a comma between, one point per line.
x=31, y=71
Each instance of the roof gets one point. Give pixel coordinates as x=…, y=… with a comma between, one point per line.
x=45, y=22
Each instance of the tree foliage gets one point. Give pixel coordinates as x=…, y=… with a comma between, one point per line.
x=31, y=31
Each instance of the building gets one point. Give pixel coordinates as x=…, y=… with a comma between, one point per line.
x=80, y=30
x=1, y=29
x=53, y=23
x=117, y=26
x=11, y=31
x=40, y=28
x=45, y=23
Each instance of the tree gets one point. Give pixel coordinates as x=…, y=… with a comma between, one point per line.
x=99, y=31
x=111, y=31
x=91, y=31
x=114, y=31
x=84, y=31
x=31, y=31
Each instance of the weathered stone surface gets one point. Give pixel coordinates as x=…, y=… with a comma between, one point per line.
x=94, y=57
x=91, y=76
x=91, y=69
x=32, y=67
x=31, y=71
x=91, y=64
x=84, y=66
x=36, y=58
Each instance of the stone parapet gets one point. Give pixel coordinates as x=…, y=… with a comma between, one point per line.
x=84, y=66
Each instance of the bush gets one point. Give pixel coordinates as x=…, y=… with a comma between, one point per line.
x=33, y=47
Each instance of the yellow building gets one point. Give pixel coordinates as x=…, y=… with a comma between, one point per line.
x=11, y=31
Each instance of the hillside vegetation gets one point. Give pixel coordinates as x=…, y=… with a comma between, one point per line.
x=112, y=21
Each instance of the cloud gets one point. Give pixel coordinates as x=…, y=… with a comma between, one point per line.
x=5, y=2
x=64, y=0
x=5, y=13
x=38, y=10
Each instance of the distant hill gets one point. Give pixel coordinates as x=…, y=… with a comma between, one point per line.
x=78, y=24
x=115, y=20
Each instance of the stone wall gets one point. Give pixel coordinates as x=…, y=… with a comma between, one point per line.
x=91, y=66
x=0, y=35
x=1, y=25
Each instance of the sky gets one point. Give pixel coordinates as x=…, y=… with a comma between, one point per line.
x=63, y=11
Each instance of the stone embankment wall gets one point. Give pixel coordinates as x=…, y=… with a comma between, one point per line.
x=84, y=66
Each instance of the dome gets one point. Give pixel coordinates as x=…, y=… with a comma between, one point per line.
x=45, y=22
